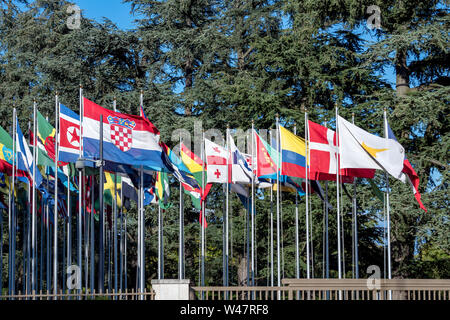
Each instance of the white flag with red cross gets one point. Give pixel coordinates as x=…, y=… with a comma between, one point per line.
x=217, y=162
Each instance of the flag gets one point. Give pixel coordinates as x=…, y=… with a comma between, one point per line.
x=195, y=166
x=267, y=159
x=322, y=154
x=45, y=141
x=216, y=159
x=408, y=173
x=69, y=135
x=177, y=167
x=127, y=138
x=361, y=150
x=24, y=154
x=162, y=190
x=108, y=189
x=241, y=171
x=6, y=155
x=293, y=154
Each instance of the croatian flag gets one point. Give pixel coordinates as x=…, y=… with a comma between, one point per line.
x=69, y=135
x=127, y=139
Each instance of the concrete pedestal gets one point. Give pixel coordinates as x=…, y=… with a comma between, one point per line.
x=171, y=289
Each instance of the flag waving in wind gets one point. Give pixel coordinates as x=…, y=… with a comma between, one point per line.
x=408, y=173
x=217, y=160
x=127, y=139
x=69, y=135
x=24, y=153
x=360, y=149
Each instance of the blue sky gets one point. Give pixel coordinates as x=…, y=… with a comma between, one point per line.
x=115, y=10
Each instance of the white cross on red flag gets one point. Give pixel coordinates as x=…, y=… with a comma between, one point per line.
x=323, y=153
x=216, y=159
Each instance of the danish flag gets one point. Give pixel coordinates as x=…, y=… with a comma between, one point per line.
x=323, y=155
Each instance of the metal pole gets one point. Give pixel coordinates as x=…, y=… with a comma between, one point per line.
x=307, y=199
x=271, y=222
x=160, y=254
x=338, y=198
x=181, y=231
x=297, y=253
x=388, y=217
x=355, y=221
x=115, y=221
x=278, y=205
x=55, y=215
x=227, y=209
x=101, y=273
x=252, y=213
x=121, y=238
x=202, y=226
x=80, y=186
x=91, y=237
x=142, y=268
x=33, y=217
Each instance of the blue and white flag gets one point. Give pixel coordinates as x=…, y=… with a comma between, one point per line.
x=24, y=154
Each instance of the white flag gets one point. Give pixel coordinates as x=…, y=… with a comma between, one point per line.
x=216, y=160
x=361, y=149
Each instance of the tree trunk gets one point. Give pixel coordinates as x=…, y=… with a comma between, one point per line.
x=401, y=68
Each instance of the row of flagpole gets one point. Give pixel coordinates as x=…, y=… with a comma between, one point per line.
x=141, y=222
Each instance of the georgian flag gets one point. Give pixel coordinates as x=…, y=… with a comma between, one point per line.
x=217, y=162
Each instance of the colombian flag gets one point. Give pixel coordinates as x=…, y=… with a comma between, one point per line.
x=293, y=154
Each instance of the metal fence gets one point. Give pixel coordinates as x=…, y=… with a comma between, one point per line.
x=333, y=289
x=292, y=289
x=85, y=295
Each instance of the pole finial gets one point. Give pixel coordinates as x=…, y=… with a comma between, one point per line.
x=81, y=86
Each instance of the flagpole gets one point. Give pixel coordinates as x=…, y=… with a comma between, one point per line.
x=307, y=198
x=355, y=221
x=229, y=180
x=91, y=236
x=338, y=198
x=121, y=238
x=327, y=248
x=203, y=219
x=278, y=204
x=55, y=215
x=271, y=222
x=33, y=230
x=115, y=221
x=388, y=217
x=101, y=271
x=160, y=254
x=80, y=186
x=253, y=206
x=181, y=231
x=12, y=264
x=142, y=264
x=297, y=254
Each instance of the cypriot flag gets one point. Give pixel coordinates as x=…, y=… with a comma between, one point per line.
x=360, y=149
